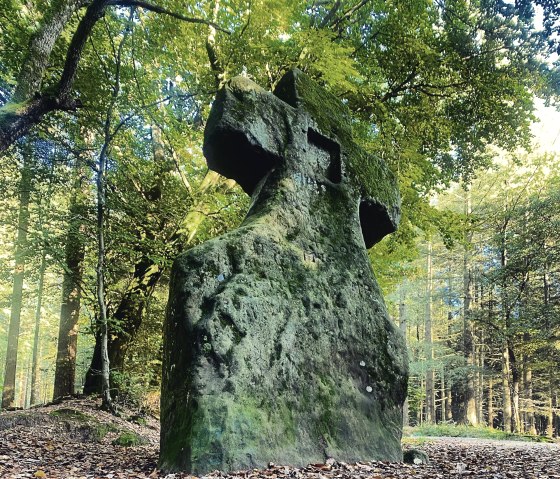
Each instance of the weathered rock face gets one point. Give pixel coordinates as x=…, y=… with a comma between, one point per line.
x=278, y=346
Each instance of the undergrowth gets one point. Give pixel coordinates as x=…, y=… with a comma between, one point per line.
x=459, y=430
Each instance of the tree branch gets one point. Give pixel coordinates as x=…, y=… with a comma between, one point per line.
x=16, y=122
x=396, y=89
x=158, y=9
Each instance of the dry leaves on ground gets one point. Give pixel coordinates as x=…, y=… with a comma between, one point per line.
x=40, y=448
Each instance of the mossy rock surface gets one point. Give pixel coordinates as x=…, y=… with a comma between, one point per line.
x=277, y=345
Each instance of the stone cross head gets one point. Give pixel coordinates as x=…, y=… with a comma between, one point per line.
x=252, y=132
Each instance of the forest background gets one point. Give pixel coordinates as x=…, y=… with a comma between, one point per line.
x=102, y=112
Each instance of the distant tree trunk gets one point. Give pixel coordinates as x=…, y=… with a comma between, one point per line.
x=428, y=336
x=516, y=376
x=26, y=399
x=402, y=326
x=506, y=391
x=491, y=402
x=468, y=336
x=528, y=392
x=480, y=381
x=550, y=411
x=443, y=396
x=34, y=399
x=8, y=393
x=74, y=252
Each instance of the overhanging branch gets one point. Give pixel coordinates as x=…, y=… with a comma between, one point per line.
x=164, y=11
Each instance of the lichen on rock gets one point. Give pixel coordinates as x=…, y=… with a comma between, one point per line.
x=277, y=344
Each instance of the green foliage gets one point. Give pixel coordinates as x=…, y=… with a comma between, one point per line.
x=456, y=430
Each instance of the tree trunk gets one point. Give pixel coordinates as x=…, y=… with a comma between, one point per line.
x=530, y=427
x=515, y=389
x=74, y=252
x=468, y=339
x=402, y=326
x=491, y=403
x=506, y=391
x=34, y=399
x=129, y=317
x=23, y=111
x=40, y=47
x=443, y=397
x=480, y=381
x=107, y=402
x=550, y=411
x=8, y=392
x=428, y=337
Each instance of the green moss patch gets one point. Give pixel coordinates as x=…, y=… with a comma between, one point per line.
x=129, y=439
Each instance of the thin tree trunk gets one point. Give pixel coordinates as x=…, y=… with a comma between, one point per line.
x=443, y=396
x=107, y=401
x=129, y=316
x=550, y=411
x=8, y=392
x=528, y=393
x=506, y=311
x=506, y=391
x=34, y=399
x=428, y=337
x=480, y=381
x=491, y=403
x=74, y=252
x=468, y=339
x=515, y=389
x=402, y=326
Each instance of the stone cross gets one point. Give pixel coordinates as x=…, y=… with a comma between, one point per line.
x=277, y=343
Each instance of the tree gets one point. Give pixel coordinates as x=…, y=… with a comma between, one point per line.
x=29, y=104
x=74, y=253
x=25, y=185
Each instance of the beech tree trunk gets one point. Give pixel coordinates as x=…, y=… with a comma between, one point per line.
x=25, y=108
x=74, y=252
x=506, y=391
x=34, y=399
x=550, y=411
x=516, y=376
x=29, y=106
x=8, y=392
x=470, y=415
x=491, y=403
x=480, y=381
x=428, y=337
x=402, y=326
x=529, y=415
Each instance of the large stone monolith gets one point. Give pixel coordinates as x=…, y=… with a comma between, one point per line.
x=277, y=344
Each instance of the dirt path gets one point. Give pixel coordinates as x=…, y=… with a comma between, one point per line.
x=55, y=442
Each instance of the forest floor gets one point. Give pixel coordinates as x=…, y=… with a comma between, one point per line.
x=74, y=439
